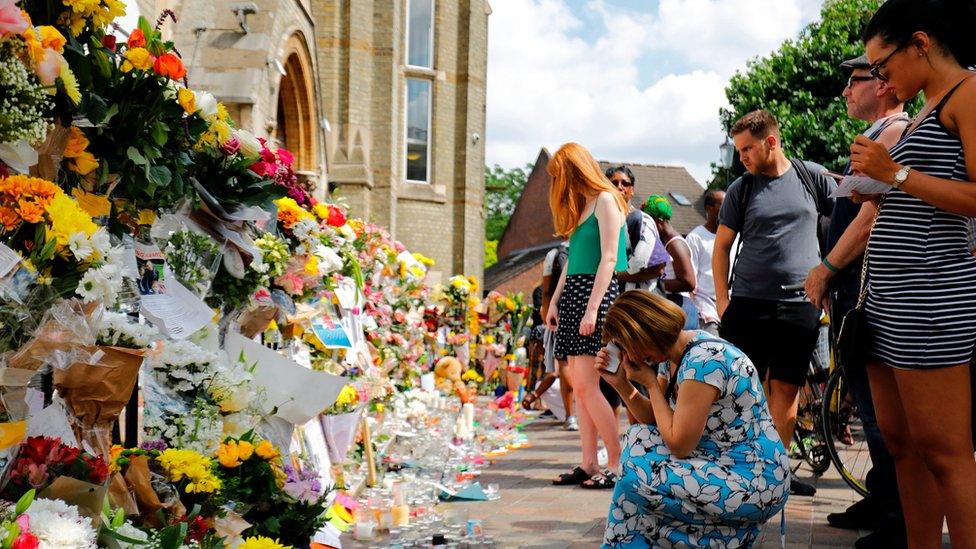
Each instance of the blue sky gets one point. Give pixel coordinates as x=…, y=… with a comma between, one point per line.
x=633, y=80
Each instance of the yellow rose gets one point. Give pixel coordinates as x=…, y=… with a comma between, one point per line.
x=138, y=58
x=229, y=455
x=245, y=449
x=187, y=99
x=266, y=450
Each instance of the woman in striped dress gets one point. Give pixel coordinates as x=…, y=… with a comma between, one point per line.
x=921, y=304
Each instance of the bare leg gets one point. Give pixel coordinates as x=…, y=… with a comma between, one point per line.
x=591, y=402
x=937, y=405
x=565, y=386
x=587, y=429
x=922, y=505
x=783, y=400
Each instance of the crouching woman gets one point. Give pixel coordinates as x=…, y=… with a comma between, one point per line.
x=704, y=466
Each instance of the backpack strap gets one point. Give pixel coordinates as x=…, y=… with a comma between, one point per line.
x=745, y=195
x=807, y=178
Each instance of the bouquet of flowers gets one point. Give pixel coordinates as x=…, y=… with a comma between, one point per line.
x=43, y=460
x=39, y=522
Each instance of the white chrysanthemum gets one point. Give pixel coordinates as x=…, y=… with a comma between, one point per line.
x=122, y=330
x=58, y=525
x=81, y=246
x=102, y=284
x=101, y=244
x=329, y=260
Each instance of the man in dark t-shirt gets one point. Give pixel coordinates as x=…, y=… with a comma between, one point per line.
x=775, y=209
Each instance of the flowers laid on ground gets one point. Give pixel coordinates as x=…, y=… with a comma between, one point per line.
x=42, y=460
x=130, y=165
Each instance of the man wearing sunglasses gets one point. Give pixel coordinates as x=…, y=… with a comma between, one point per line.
x=836, y=282
x=646, y=256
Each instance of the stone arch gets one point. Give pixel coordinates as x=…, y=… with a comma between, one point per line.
x=296, y=113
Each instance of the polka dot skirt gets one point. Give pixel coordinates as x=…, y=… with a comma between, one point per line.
x=572, y=306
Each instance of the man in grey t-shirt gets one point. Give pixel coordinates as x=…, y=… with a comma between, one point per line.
x=775, y=209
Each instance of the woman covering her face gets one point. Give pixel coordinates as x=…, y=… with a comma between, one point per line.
x=705, y=466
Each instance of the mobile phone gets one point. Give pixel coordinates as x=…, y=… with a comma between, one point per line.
x=613, y=358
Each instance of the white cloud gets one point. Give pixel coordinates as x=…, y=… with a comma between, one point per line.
x=547, y=85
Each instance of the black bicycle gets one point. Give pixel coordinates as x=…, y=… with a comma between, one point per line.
x=843, y=433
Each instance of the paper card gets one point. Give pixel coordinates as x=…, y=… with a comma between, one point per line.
x=176, y=311
x=318, y=450
x=52, y=422
x=8, y=260
x=299, y=394
x=861, y=184
x=332, y=335
x=327, y=536
x=346, y=292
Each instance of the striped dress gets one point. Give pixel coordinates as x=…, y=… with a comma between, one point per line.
x=921, y=304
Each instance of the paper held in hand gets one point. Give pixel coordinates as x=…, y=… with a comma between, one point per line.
x=861, y=184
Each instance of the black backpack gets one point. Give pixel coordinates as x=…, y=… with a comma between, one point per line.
x=807, y=178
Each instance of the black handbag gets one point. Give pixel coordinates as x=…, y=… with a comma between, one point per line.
x=853, y=337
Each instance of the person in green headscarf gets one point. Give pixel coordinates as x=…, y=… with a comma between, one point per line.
x=679, y=276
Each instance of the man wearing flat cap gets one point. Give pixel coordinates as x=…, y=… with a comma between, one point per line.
x=835, y=283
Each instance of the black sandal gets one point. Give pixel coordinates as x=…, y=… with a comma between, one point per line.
x=601, y=481
x=575, y=477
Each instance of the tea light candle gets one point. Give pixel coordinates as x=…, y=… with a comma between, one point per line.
x=364, y=531
x=400, y=515
x=386, y=518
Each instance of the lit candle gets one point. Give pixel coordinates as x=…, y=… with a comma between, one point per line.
x=468, y=411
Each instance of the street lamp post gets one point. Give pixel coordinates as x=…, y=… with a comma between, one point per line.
x=726, y=153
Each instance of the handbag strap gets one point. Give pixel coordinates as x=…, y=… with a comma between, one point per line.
x=862, y=295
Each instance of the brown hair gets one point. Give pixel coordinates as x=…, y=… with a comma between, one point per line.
x=758, y=123
x=639, y=319
x=575, y=177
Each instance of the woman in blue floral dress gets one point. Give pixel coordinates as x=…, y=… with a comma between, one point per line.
x=704, y=467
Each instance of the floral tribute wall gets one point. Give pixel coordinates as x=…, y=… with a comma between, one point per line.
x=149, y=247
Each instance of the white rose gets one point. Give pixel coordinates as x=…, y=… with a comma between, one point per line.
x=206, y=104
x=250, y=146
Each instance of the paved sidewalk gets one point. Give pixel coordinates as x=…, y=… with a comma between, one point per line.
x=534, y=514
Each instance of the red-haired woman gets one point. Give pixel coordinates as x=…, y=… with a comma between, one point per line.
x=588, y=210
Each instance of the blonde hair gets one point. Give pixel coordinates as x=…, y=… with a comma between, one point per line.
x=638, y=320
x=576, y=176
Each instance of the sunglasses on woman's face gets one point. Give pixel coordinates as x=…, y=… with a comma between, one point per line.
x=876, y=68
x=622, y=183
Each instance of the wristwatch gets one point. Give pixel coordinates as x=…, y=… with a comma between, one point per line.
x=900, y=177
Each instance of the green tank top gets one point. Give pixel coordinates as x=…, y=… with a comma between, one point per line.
x=584, y=248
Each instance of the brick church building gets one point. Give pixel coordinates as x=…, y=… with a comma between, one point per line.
x=381, y=100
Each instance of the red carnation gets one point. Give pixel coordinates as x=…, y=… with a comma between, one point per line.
x=260, y=168
x=109, y=41
x=285, y=157
x=26, y=541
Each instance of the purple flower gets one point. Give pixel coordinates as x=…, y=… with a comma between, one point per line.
x=150, y=445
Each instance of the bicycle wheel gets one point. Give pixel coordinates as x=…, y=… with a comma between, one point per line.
x=839, y=418
x=808, y=433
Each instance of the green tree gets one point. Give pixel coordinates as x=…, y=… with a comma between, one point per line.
x=801, y=84
x=491, y=252
x=502, y=191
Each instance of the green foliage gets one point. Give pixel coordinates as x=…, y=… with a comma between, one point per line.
x=801, y=84
x=502, y=191
x=491, y=252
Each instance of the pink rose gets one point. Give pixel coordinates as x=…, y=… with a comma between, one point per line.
x=49, y=68
x=11, y=19
x=231, y=147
